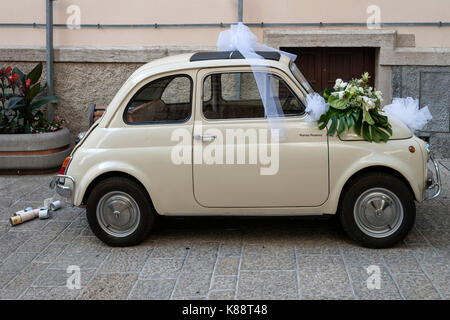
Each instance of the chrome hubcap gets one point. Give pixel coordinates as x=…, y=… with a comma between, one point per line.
x=118, y=214
x=378, y=212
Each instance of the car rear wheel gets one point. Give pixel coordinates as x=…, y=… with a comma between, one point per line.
x=119, y=212
x=377, y=210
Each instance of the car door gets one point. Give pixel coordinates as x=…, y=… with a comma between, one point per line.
x=237, y=162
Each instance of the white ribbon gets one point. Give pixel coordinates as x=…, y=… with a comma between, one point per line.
x=240, y=38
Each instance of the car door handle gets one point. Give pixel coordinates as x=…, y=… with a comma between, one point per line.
x=205, y=137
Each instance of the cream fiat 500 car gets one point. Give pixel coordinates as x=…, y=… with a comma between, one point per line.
x=188, y=135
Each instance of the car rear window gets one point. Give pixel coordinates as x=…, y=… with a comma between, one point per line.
x=164, y=100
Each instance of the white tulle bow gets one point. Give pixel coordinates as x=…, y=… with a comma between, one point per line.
x=407, y=111
x=240, y=38
x=315, y=106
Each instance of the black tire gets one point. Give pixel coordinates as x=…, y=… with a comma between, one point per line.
x=138, y=194
x=356, y=188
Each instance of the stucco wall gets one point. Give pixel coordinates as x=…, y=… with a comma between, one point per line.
x=210, y=11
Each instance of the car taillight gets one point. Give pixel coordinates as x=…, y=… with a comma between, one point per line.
x=64, y=165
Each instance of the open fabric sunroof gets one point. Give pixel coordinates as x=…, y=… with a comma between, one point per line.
x=221, y=55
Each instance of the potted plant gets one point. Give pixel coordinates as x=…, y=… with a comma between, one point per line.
x=28, y=141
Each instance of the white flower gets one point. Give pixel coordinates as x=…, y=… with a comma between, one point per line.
x=339, y=94
x=379, y=94
x=337, y=84
x=360, y=89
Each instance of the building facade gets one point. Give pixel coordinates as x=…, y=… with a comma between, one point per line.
x=405, y=45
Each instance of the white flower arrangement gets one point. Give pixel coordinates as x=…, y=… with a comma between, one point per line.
x=357, y=105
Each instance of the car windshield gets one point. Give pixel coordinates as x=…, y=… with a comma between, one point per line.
x=300, y=77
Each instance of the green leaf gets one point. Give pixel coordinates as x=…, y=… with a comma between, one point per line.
x=389, y=129
x=15, y=102
x=326, y=94
x=374, y=134
x=367, y=118
x=337, y=103
x=366, y=132
x=33, y=92
x=35, y=74
x=358, y=126
x=332, y=129
x=384, y=137
x=39, y=102
x=358, y=115
x=350, y=121
x=341, y=125
x=324, y=119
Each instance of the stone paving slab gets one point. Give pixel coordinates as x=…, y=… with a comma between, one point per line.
x=216, y=258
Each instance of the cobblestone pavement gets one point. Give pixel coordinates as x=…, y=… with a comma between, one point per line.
x=216, y=258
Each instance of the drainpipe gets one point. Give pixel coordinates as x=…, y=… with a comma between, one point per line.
x=49, y=57
x=240, y=9
x=237, y=78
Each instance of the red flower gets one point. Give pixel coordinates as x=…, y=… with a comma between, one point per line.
x=8, y=70
x=27, y=83
x=13, y=78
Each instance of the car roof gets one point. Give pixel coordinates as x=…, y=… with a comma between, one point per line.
x=183, y=62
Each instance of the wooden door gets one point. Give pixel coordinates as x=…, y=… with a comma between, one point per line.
x=322, y=66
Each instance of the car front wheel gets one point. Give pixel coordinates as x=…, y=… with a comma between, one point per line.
x=377, y=210
x=119, y=212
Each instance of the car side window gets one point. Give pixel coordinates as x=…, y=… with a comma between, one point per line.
x=236, y=95
x=167, y=99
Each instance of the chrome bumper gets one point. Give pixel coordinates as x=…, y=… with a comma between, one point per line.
x=435, y=184
x=58, y=182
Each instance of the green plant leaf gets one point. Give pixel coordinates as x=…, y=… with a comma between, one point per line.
x=358, y=126
x=333, y=126
x=35, y=74
x=389, y=129
x=39, y=102
x=324, y=119
x=326, y=94
x=15, y=102
x=374, y=134
x=358, y=115
x=367, y=118
x=341, y=127
x=34, y=92
x=350, y=121
x=366, y=132
x=337, y=103
x=383, y=136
